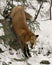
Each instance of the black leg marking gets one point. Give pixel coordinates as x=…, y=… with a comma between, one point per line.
x=28, y=52
x=25, y=52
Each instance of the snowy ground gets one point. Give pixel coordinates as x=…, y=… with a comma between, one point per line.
x=41, y=51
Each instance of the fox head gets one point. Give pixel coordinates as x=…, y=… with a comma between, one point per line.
x=33, y=40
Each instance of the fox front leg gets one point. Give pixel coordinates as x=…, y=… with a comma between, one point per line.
x=25, y=51
x=28, y=52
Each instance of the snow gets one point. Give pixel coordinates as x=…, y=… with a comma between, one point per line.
x=40, y=50
x=16, y=3
x=1, y=30
x=1, y=17
x=2, y=5
x=34, y=60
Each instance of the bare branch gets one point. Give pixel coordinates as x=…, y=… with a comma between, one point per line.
x=36, y=10
x=33, y=7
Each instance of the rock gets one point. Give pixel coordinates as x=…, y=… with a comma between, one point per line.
x=44, y=62
x=1, y=50
x=48, y=53
x=3, y=63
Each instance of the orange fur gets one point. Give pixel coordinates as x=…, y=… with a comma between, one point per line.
x=20, y=26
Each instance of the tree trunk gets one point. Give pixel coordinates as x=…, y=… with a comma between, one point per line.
x=50, y=9
x=38, y=11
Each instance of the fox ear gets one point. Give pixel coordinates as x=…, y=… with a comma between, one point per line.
x=37, y=35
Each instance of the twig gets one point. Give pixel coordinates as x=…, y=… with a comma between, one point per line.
x=32, y=6
x=36, y=10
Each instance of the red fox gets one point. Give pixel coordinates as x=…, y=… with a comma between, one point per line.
x=21, y=29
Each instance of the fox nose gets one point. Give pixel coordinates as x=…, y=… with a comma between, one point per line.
x=37, y=35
